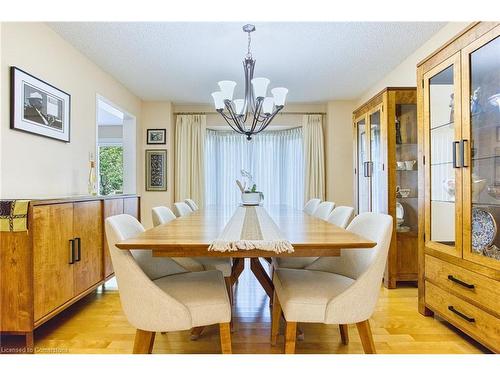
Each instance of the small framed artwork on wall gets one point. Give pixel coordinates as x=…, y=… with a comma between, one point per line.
x=38, y=107
x=156, y=136
x=156, y=170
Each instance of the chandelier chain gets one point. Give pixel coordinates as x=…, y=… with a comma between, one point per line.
x=249, y=54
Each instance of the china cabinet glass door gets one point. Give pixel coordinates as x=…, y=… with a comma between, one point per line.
x=363, y=159
x=480, y=148
x=376, y=167
x=442, y=121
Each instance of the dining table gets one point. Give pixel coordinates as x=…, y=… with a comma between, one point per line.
x=192, y=235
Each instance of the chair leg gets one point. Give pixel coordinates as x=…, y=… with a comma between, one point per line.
x=225, y=338
x=290, y=337
x=275, y=319
x=344, y=333
x=366, y=336
x=271, y=272
x=143, y=343
x=196, y=333
x=229, y=287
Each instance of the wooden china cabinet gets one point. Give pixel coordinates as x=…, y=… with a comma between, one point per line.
x=386, y=173
x=459, y=200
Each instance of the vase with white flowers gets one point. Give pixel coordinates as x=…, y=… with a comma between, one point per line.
x=249, y=196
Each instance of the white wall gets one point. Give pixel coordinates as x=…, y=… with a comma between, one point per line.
x=156, y=115
x=339, y=152
x=405, y=74
x=34, y=166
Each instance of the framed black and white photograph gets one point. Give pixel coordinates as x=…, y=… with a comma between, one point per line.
x=156, y=170
x=38, y=107
x=156, y=136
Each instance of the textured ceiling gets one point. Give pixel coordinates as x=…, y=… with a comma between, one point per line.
x=182, y=61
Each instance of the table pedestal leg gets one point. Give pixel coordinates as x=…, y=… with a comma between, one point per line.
x=262, y=276
x=237, y=269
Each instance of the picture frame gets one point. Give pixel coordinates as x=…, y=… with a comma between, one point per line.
x=156, y=136
x=156, y=170
x=38, y=107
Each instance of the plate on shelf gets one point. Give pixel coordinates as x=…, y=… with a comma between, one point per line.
x=484, y=229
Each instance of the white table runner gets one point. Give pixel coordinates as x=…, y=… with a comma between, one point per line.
x=251, y=228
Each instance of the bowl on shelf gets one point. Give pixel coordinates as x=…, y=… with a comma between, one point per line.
x=405, y=193
x=494, y=191
x=478, y=185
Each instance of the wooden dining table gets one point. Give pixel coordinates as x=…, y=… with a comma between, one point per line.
x=191, y=236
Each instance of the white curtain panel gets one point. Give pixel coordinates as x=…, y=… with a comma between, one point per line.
x=274, y=158
x=190, y=158
x=314, y=157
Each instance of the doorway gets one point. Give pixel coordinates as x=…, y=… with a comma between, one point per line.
x=115, y=150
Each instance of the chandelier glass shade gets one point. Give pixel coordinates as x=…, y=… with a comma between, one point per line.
x=256, y=110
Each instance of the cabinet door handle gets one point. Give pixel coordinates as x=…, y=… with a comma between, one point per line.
x=462, y=152
x=460, y=282
x=365, y=169
x=454, y=153
x=370, y=168
x=71, y=251
x=462, y=315
x=78, y=249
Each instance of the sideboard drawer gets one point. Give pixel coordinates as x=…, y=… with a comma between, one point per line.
x=472, y=286
x=469, y=318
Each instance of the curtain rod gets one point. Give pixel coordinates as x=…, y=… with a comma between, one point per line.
x=280, y=113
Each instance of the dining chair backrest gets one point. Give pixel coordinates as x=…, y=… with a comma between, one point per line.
x=311, y=205
x=366, y=266
x=162, y=215
x=192, y=205
x=375, y=227
x=144, y=304
x=182, y=209
x=324, y=210
x=341, y=216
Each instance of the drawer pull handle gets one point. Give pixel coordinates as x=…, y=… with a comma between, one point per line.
x=462, y=315
x=71, y=251
x=460, y=282
x=78, y=249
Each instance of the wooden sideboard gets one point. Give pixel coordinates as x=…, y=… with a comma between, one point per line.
x=62, y=257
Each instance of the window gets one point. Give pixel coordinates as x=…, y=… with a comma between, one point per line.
x=110, y=169
x=274, y=158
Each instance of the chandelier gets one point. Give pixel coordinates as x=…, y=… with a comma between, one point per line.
x=256, y=107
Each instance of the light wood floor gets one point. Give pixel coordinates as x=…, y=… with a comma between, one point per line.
x=96, y=324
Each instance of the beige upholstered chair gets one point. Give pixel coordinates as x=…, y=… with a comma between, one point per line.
x=182, y=209
x=154, y=301
x=343, y=292
x=324, y=210
x=192, y=205
x=163, y=215
x=311, y=205
x=341, y=216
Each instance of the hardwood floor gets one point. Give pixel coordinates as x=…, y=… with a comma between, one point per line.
x=96, y=324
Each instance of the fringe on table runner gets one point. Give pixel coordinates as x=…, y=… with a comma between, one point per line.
x=278, y=246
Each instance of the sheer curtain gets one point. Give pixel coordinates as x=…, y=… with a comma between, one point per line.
x=274, y=158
